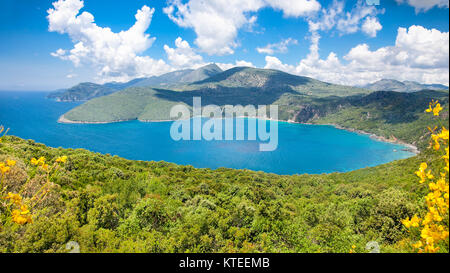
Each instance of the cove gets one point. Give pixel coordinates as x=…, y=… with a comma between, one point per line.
x=301, y=148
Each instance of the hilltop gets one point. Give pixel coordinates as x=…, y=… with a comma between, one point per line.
x=393, y=115
x=241, y=85
x=88, y=90
x=406, y=86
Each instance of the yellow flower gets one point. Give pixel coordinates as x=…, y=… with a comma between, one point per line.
x=34, y=161
x=14, y=198
x=20, y=218
x=422, y=174
x=415, y=221
x=418, y=244
x=406, y=222
x=10, y=163
x=3, y=168
x=40, y=162
x=437, y=108
x=434, y=224
x=444, y=134
x=24, y=210
x=61, y=159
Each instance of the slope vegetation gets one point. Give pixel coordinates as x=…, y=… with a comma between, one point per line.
x=109, y=204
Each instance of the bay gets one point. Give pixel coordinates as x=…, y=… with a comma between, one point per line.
x=301, y=148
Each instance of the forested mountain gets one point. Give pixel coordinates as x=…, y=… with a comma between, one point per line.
x=241, y=85
x=109, y=204
x=406, y=86
x=393, y=115
x=87, y=91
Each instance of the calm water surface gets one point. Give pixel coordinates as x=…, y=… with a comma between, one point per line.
x=301, y=149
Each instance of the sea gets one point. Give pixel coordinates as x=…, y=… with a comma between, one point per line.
x=301, y=149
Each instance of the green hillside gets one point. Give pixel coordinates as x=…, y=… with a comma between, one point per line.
x=87, y=91
x=406, y=86
x=392, y=115
x=132, y=103
x=82, y=92
x=244, y=86
x=109, y=204
x=276, y=81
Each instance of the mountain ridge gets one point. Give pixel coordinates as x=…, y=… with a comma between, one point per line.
x=87, y=90
x=237, y=86
x=405, y=86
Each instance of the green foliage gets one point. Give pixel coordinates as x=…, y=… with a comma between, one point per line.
x=87, y=91
x=391, y=114
x=109, y=204
x=82, y=91
x=241, y=85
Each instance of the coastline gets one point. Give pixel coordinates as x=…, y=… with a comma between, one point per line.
x=62, y=119
x=409, y=147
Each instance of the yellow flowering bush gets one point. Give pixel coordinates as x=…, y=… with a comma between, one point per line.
x=3, y=132
x=14, y=206
x=433, y=226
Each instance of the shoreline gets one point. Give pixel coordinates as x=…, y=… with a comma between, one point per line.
x=62, y=119
x=409, y=147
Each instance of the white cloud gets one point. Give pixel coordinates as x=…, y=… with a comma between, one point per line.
x=294, y=8
x=351, y=22
x=281, y=47
x=419, y=54
x=328, y=17
x=425, y=48
x=334, y=17
x=115, y=56
x=58, y=53
x=275, y=63
x=424, y=5
x=226, y=66
x=217, y=22
x=371, y=26
x=183, y=56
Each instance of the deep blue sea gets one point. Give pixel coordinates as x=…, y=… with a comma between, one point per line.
x=301, y=148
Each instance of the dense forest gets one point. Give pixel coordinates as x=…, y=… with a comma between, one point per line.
x=110, y=204
x=106, y=203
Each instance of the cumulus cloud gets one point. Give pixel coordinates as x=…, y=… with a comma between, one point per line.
x=183, y=56
x=424, y=5
x=419, y=54
x=281, y=47
x=114, y=55
x=351, y=22
x=216, y=22
x=360, y=17
x=371, y=26
x=294, y=8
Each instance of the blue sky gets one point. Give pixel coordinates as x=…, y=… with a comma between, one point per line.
x=357, y=44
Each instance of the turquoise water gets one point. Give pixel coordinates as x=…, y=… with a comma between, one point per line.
x=301, y=148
